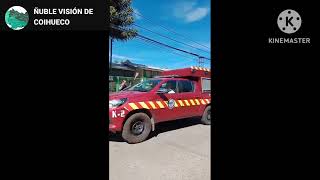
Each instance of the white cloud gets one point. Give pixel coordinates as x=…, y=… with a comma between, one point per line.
x=189, y=12
x=19, y=9
x=182, y=8
x=196, y=14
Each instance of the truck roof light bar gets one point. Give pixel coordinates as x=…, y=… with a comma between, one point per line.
x=193, y=68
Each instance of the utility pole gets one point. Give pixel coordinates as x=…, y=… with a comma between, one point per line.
x=200, y=61
x=110, y=65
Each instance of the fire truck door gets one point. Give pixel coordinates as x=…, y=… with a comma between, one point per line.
x=187, y=95
x=171, y=110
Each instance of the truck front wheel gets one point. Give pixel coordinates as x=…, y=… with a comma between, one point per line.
x=206, y=117
x=137, y=128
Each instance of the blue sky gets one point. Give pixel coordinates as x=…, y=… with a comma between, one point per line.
x=190, y=18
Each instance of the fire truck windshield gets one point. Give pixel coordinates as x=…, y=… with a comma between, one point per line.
x=145, y=86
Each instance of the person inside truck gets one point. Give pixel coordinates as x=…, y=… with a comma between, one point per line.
x=170, y=88
x=123, y=85
x=130, y=83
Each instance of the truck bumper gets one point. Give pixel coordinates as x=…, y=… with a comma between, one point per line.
x=112, y=128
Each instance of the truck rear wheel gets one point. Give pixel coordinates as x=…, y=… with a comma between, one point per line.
x=137, y=128
x=206, y=117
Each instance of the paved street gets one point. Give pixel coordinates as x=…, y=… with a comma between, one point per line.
x=180, y=150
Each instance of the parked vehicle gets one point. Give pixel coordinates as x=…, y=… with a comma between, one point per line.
x=176, y=94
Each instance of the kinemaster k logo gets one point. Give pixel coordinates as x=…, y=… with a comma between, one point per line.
x=289, y=22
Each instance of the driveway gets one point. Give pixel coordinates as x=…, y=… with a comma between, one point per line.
x=178, y=150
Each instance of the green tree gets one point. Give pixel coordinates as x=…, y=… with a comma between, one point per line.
x=121, y=19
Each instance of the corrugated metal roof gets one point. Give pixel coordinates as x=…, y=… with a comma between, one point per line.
x=128, y=65
x=117, y=66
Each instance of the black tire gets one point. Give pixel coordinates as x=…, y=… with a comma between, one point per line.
x=206, y=117
x=137, y=128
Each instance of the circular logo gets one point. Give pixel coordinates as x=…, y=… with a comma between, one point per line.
x=289, y=21
x=16, y=17
x=171, y=103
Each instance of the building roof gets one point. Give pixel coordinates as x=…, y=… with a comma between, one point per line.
x=119, y=66
x=128, y=65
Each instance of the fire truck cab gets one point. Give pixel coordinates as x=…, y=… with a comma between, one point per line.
x=176, y=94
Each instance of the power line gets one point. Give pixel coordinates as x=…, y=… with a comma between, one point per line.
x=165, y=45
x=170, y=38
x=200, y=62
x=165, y=49
x=160, y=47
x=146, y=42
x=170, y=30
x=144, y=37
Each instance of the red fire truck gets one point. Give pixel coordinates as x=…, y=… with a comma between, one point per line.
x=176, y=94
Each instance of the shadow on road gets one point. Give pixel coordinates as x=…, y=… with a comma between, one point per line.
x=162, y=128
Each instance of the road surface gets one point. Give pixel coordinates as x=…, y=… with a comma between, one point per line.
x=179, y=150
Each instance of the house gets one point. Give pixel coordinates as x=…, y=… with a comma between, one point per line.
x=127, y=70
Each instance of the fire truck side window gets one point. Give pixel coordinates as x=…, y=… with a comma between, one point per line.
x=185, y=86
x=170, y=85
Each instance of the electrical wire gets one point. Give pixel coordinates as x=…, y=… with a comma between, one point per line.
x=170, y=30
x=169, y=37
